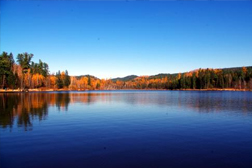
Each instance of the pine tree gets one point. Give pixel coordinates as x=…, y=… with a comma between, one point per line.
x=66, y=79
x=59, y=81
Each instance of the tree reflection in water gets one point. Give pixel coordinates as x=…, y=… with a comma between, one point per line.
x=22, y=108
x=25, y=107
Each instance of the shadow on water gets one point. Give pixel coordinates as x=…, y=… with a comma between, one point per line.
x=23, y=108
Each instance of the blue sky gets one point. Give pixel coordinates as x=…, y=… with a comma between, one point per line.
x=115, y=39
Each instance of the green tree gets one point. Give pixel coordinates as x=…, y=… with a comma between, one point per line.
x=207, y=78
x=89, y=80
x=6, y=64
x=182, y=82
x=59, y=81
x=66, y=79
x=194, y=79
x=98, y=85
x=40, y=68
x=12, y=80
x=24, y=61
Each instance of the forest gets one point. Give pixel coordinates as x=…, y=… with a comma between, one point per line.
x=24, y=74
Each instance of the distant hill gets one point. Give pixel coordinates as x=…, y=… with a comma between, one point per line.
x=235, y=68
x=124, y=79
x=162, y=75
x=91, y=76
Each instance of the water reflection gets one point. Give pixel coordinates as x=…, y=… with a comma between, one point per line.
x=199, y=101
x=23, y=108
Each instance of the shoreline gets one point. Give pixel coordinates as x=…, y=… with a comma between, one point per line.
x=60, y=90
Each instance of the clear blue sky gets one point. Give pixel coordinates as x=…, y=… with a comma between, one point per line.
x=115, y=39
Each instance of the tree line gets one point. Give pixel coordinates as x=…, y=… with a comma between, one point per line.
x=232, y=78
x=26, y=74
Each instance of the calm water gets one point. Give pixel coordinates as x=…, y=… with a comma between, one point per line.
x=157, y=129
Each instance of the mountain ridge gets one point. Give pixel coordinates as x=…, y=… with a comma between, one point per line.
x=161, y=75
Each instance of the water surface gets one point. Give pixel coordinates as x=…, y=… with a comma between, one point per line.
x=126, y=129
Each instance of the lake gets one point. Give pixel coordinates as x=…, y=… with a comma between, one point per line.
x=149, y=129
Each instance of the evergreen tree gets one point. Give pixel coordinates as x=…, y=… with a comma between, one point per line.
x=194, y=81
x=24, y=61
x=66, y=79
x=89, y=80
x=6, y=64
x=59, y=81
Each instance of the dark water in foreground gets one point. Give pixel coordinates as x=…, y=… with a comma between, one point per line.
x=157, y=129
